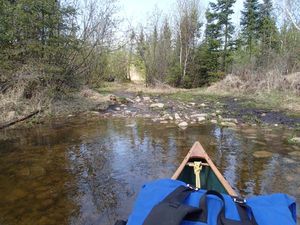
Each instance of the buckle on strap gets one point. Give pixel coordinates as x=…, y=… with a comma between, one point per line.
x=239, y=200
x=192, y=187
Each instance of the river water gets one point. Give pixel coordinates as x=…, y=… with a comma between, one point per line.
x=90, y=171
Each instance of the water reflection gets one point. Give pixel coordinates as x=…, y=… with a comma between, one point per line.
x=89, y=172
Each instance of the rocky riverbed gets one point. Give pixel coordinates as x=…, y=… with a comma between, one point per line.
x=164, y=109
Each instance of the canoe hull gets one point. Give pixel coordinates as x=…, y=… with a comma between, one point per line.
x=211, y=178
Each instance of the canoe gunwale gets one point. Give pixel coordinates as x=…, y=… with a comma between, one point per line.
x=198, y=152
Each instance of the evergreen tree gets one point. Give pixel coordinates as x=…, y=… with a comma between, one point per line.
x=268, y=32
x=213, y=38
x=224, y=13
x=250, y=24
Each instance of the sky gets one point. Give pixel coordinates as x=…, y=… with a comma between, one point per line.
x=137, y=11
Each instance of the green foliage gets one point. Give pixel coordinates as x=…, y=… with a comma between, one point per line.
x=38, y=32
x=250, y=24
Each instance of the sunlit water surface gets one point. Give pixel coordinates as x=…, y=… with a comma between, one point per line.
x=89, y=172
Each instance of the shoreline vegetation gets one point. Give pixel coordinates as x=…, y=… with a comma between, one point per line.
x=63, y=59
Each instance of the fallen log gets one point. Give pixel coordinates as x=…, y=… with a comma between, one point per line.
x=20, y=119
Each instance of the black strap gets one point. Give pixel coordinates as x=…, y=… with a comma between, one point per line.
x=121, y=222
x=172, y=211
x=242, y=208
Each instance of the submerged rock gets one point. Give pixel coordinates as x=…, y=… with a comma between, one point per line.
x=262, y=154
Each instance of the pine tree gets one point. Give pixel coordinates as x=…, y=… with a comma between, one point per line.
x=224, y=13
x=250, y=24
x=268, y=32
x=213, y=38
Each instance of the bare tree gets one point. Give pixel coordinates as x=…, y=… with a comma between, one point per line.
x=292, y=8
x=188, y=28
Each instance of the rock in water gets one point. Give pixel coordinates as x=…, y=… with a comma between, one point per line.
x=157, y=105
x=262, y=154
x=183, y=125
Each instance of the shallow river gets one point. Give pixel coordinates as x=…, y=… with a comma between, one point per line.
x=89, y=172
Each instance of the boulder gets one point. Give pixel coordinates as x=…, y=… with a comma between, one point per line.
x=192, y=103
x=157, y=105
x=202, y=104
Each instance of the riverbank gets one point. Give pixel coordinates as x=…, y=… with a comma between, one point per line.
x=164, y=105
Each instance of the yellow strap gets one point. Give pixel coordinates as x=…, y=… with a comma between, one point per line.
x=197, y=170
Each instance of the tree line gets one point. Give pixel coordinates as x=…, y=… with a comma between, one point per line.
x=194, y=51
x=61, y=45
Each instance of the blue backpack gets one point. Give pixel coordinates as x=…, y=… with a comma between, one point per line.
x=172, y=202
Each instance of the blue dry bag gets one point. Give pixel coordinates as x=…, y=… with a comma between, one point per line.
x=172, y=202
